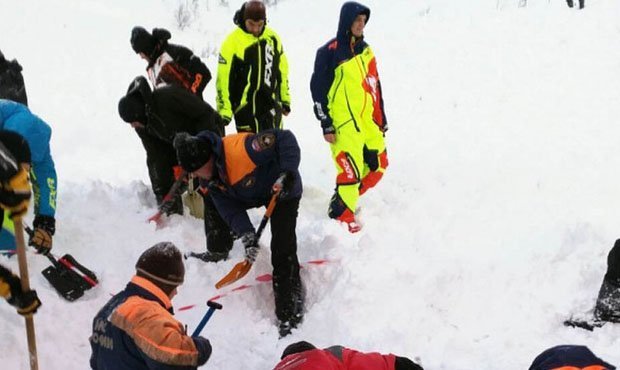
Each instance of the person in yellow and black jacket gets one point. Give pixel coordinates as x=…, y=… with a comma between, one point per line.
x=15, y=193
x=349, y=103
x=241, y=172
x=135, y=330
x=252, y=74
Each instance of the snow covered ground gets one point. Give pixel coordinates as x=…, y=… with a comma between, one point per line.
x=491, y=226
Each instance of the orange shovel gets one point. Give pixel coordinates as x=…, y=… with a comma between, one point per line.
x=242, y=268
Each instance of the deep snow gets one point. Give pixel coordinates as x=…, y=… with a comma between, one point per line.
x=491, y=226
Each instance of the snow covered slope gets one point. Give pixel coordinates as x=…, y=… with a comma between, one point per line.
x=491, y=226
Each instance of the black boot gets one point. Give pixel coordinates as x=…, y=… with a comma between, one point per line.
x=570, y=3
x=608, y=302
x=296, y=314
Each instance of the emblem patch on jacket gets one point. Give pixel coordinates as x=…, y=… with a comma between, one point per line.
x=263, y=141
x=249, y=182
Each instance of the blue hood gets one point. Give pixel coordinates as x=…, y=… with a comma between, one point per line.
x=348, y=12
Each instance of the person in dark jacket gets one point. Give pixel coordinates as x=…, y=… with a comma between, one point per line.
x=15, y=193
x=156, y=117
x=169, y=63
x=135, y=330
x=305, y=356
x=252, y=74
x=241, y=171
x=12, y=85
x=569, y=357
x=16, y=117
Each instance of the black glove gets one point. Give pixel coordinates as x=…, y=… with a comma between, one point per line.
x=44, y=229
x=285, y=182
x=15, y=194
x=250, y=242
x=328, y=127
x=286, y=109
x=27, y=303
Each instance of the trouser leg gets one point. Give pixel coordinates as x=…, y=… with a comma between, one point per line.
x=608, y=301
x=287, y=285
x=217, y=232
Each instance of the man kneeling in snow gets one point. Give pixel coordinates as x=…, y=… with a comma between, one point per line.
x=135, y=330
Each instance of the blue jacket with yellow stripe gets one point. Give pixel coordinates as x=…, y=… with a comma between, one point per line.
x=247, y=165
x=18, y=118
x=135, y=330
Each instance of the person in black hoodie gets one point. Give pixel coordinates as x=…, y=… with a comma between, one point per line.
x=157, y=116
x=12, y=85
x=169, y=63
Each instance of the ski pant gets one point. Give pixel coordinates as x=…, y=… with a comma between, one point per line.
x=217, y=232
x=161, y=159
x=613, y=265
x=361, y=160
x=287, y=286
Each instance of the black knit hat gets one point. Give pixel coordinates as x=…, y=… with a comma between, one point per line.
x=162, y=264
x=297, y=347
x=131, y=108
x=142, y=41
x=192, y=152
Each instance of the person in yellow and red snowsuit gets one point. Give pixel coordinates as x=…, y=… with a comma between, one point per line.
x=348, y=101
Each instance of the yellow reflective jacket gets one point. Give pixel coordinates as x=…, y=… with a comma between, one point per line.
x=252, y=80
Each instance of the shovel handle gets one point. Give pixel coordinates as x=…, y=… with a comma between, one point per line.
x=212, y=307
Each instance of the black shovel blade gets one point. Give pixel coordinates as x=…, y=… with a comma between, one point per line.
x=69, y=278
x=65, y=282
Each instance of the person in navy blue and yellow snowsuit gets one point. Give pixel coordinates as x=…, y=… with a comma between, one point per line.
x=348, y=101
x=135, y=330
x=241, y=172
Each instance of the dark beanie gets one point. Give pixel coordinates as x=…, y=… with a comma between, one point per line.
x=162, y=264
x=254, y=10
x=142, y=41
x=192, y=152
x=297, y=347
x=131, y=108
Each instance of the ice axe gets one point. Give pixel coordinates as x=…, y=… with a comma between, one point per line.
x=242, y=268
x=212, y=307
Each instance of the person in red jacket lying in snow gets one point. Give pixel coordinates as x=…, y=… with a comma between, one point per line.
x=305, y=356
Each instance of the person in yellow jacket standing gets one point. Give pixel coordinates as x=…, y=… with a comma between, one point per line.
x=252, y=73
x=348, y=101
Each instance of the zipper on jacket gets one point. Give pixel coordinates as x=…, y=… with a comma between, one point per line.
x=363, y=75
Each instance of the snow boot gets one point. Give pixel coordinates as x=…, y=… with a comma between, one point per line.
x=608, y=302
